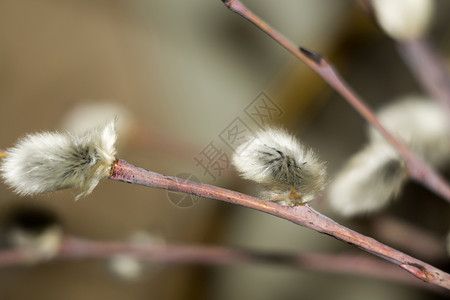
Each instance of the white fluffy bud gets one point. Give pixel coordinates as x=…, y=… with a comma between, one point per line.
x=404, y=19
x=45, y=162
x=377, y=173
x=289, y=173
x=368, y=181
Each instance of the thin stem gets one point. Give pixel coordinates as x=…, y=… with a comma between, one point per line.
x=428, y=68
x=351, y=264
x=301, y=215
x=418, y=170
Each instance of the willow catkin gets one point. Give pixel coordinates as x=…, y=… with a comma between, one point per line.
x=289, y=173
x=48, y=161
x=368, y=181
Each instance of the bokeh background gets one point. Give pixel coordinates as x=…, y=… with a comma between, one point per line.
x=177, y=73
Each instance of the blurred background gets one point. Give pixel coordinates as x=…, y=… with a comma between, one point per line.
x=179, y=74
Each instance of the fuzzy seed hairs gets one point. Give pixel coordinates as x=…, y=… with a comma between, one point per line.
x=45, y=162
x=290, y=174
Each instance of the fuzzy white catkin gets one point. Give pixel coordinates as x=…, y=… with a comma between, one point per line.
x=404, y=19
x=282, y=165
x=419, y=122
x=368, y=181
x=376, y=174
x=45, y=162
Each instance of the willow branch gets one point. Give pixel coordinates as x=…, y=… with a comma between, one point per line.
x=302, y=215
x=73, y=248
x=428, y=68
x=418, y=170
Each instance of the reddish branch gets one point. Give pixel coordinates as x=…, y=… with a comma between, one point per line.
x=418, y=170
x=350, y=264
x=301, y=215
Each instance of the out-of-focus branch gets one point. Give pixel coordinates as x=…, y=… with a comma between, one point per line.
x=404, y=235
x=73, y=248
x=301, y=215
x=428, y=68
x=418, y=170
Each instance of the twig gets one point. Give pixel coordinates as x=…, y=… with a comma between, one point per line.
x=418, y=170
x=428, y=68
x=350, y=264
x=301, y=215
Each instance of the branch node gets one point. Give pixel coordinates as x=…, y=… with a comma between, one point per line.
x=228, y=3
x=417, y=270
x=316, y=57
